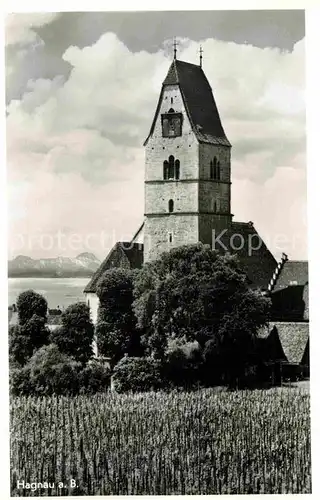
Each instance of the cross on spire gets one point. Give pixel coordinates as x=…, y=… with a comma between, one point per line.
x=175, y=43
x=200, y=52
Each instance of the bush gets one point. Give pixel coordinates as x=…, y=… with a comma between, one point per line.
x=51, y=372
x=95, y=377
x=183, y=362
x=19, y=381
x=137, y=375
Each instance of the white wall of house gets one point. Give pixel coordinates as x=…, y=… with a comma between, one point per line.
x=93, y=302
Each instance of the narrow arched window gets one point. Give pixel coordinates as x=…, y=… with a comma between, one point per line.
x=215, y=207
x=218, y=171
x=165, y=169
x=211, y=170
x=171, y=205
x=214, y=167
x=177, y=169
x=171, y=167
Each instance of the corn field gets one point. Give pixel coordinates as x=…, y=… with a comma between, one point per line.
x=158, y=444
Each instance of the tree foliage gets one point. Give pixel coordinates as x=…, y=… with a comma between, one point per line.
x=51, y=372
x=26, y=338
x=195, y=293
x=20, y=346
x=116, y=329
x=30, y=303
x=182, y=363
x=137, y=374
x=75, y=336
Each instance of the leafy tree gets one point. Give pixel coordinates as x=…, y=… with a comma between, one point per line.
x=75, y=336
x=36, y=330
x=20, y=346
x=30, y=303
x=26, y=338
x=195, y=293
x=116, y=330
x=31, y=332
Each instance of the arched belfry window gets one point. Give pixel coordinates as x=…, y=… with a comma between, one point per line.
x=171, y=167
x=218, y=171
x=171, y=206
x=177, y=169
x=214, y=167
x=171, y=123
x=166, y=170
x=211, y=170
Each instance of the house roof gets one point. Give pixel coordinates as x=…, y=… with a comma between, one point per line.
x=257, y=263
x=124, y=254
x=290, y=295
x=198, y=100
x=255, y=259
x=293, y=272
x=294, y=337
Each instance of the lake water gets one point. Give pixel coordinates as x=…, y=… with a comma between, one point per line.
x=58, y=291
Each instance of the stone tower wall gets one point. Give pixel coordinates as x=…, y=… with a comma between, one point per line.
x=182, y=224
x=200, y=203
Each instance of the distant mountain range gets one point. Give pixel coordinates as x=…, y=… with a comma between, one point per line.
x=82, y=266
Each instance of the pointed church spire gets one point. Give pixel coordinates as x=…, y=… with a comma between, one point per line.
x=200, y=52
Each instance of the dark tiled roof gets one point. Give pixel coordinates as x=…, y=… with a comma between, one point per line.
x=290, y=296
x=124, y=254
x=294, y=339
x=290, y=303
x=269, y=345
x=198, y=100
x=293, y=272
x=285, y=341
x=257, y=263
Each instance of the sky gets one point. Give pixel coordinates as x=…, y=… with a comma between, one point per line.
x=81, y=91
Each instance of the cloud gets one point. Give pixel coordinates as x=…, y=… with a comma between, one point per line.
x=74, y=144
x=20, y=28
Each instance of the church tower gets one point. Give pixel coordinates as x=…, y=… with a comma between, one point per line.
x=187, y=165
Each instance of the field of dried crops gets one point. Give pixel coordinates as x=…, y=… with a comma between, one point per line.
x=178, y=443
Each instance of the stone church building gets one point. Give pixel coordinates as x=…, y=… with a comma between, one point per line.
x=188, y=200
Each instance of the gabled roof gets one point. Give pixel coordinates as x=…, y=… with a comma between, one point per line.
x=257, y=263
x=292, y=272
x=124, y=254
x=294, y=339
x=290, y=295
x=198, y=101
x=285, y=341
